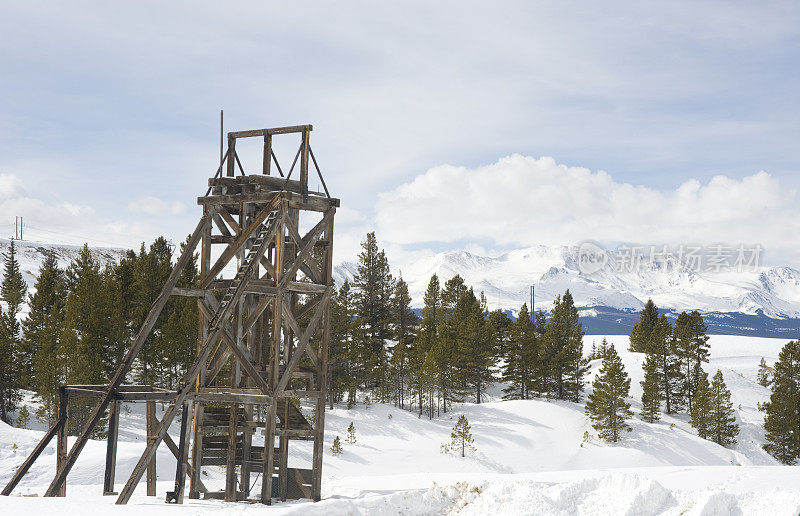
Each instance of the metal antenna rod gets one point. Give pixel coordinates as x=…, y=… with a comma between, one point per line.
x=221, y=131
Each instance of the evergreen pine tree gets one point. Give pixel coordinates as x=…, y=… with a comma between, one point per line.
x=700, y=410
x=651, y=389
x=562, y=351
x=692, y=350
x=641, y=332
x=607, y=406
x=782, y=420
x=602, y=349
x=150, y=270
x=521, y=354
x=461, y=437
x=374, y=285
x=42, y=332
x=475, y=346
x=15, y=360
x=23, y=417
x=351, y=434
x=177, y=340
x=723, y=428
x=86, y=334
x=500, y=324
x=446, y=347
x=664, y=350
x=422, y=363
x=764, y=373
x=343, y=352
x=405, y=323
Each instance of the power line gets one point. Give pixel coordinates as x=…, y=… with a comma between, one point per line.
x=81, y=238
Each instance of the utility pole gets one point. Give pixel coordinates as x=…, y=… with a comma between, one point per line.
x=17, y=228
x=531, y=303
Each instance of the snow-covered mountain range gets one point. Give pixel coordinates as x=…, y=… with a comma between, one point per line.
x=773, y=292
x=762, y=301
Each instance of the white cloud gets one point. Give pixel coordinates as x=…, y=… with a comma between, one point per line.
x=10, y=186
x=155, y=206
x=73, y=223
x=521, y=201
x=347, y=215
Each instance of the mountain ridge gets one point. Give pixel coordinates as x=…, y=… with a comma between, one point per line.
x=758, y=292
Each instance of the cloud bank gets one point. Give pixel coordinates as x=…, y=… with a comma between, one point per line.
x=520, y=201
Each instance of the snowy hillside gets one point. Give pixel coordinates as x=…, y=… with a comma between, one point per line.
x=506, y=279
x=531, y=458
x=31, y=255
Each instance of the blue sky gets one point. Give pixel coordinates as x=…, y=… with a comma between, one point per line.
x=109, y=111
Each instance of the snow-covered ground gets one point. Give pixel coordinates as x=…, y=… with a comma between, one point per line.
x=531, y=458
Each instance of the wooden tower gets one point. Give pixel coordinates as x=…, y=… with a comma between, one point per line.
x=266, y=249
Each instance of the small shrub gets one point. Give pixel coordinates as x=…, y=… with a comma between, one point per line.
x=351, y=434
x=336, y=448
x=23, y=417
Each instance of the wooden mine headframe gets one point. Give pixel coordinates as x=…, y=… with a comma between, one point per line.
x=262, y=341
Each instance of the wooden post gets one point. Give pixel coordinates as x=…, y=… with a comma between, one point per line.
x=183, y=449
x=202, y=332
x=304, y=165
x=283, y=443
x=231, y=156
x=322, y=375
x=111, y=448
x=267, y=154
x=230, y=471
x=61, y=436
x=151, y=435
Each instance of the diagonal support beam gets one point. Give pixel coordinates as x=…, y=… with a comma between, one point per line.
x=246, y=361
x=308, y=244
x=227, y=217
x=220, y=224
x=312, y=327
x=233, y=248
x=32, y=457
x=130, y=356
x=252, y=318
x=292, y=322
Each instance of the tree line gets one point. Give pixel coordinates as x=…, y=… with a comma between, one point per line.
x=81, y=320
x=452, y=351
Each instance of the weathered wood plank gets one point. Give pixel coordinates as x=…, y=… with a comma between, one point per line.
x=111, y=448
x=274, y=130
x=322, y=376
x=151, y=433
